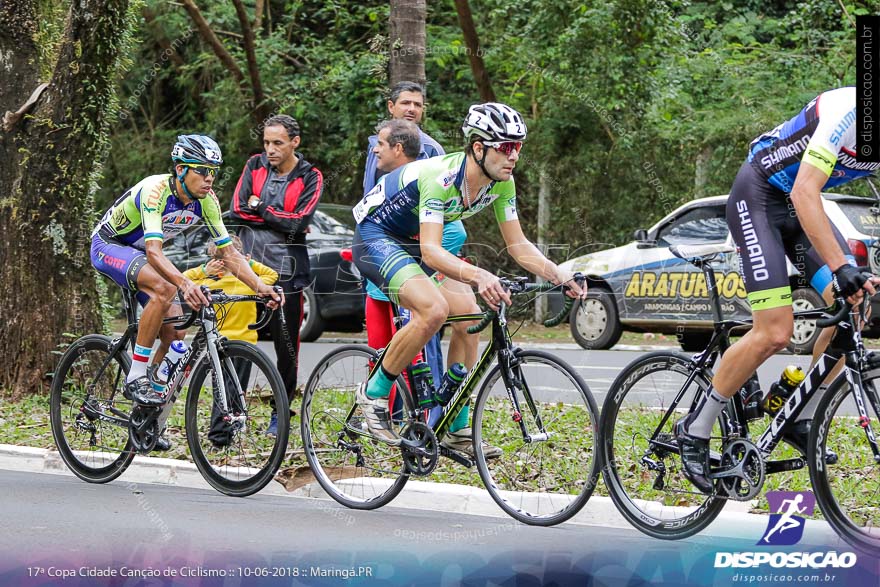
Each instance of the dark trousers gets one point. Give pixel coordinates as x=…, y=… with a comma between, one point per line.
x=221, y=433
x=286, y=338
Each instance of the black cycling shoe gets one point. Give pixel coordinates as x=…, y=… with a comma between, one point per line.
x=141, y=391
x=162, y=444
x=798, y=436
x=694, y=457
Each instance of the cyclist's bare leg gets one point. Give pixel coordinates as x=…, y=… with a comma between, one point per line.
x=162, y=294
x=463, y=347
x=419, y=295
x=770, y=333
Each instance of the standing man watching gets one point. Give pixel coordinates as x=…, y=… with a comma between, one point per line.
x=275, y=199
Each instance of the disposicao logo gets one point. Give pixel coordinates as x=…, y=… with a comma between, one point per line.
x=785, y=528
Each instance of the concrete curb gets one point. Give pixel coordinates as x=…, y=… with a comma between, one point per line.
x=734, y=521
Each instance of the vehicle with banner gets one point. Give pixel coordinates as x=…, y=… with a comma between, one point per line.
x=642, y=287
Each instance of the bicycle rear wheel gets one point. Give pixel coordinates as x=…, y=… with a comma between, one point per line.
x=238, y=458
x=88, y=414
x=848, y=491
x=643, y=474
x=543, y=480
x=353, y=468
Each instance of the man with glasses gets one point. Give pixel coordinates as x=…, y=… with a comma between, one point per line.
x=127, y=248
x=398, y=244
x=275, y=199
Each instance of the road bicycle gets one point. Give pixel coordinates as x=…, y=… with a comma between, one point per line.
x=532, y=405
x=231, y=390
x=642, y=464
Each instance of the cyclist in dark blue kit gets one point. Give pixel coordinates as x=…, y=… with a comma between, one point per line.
x=774, y=210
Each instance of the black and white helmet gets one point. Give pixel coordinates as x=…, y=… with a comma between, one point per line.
x=197, y=150
x=495, y=122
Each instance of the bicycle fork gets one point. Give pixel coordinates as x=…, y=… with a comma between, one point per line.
x=511, y=374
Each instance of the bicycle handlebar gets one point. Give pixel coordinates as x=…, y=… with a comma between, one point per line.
x=520, y=285
x=842, y=309
x=218, y=296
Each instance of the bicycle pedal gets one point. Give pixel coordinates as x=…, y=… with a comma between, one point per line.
x=456, y=456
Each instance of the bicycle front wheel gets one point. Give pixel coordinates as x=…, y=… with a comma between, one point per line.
x=353, y=468
x=237, y=457
x=546, y=477
x=848, y=491
x=643, y=469
x=88, y=414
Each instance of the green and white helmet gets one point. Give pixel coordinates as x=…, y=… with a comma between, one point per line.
x=495, y=122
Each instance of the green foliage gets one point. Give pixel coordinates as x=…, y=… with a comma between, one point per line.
x=634, y=106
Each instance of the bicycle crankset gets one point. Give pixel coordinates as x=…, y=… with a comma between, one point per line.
x=742, y=470
x=143, y=428
x=421, y=453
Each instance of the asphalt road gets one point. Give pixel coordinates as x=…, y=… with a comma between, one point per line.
x=61, y=531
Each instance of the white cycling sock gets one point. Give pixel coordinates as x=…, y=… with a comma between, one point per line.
x=140, y=358
x=704, y=415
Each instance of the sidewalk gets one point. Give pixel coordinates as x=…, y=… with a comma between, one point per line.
x=734, y=521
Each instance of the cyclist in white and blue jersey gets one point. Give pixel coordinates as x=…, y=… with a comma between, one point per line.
x=775, y=209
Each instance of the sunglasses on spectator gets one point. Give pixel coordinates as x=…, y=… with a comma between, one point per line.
x=205, y=170
x=506, y=147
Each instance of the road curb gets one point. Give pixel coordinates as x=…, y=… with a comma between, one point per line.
x=734, y=522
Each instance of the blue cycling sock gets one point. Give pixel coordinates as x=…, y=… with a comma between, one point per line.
x=461, y=420
x=380, y=383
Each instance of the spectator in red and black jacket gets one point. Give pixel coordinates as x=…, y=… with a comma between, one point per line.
x=275, y=197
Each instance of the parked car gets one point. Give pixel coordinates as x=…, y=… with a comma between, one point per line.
x=642, y=287
x=335, y=298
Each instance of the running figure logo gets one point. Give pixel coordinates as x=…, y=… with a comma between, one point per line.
x=787, y=527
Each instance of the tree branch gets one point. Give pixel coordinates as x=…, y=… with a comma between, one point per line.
x=10, y=119
x=159, y=35
x=258, y=18
x=219, y=50
x=260, y=106
x=478, y=67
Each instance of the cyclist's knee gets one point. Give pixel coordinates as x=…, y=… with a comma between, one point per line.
x=162, y=292
x=432, y=316
x=772, y=340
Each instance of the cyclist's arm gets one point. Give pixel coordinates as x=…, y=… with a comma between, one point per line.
x=436, y=257
x=530, y=258
x=158, y=261
x=238, y=265
x=805, y=196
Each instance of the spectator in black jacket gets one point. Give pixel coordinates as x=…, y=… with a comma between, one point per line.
x=275, y=197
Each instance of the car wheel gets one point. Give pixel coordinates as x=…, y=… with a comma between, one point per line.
x=694, y=342
x=805, y=331
x=594, y=323
x=312, y=326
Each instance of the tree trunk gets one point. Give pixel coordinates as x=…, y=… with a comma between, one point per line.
x=701, y=171
x=406, y=27
x=475, y=52
x=543, y=226
x=49, y=168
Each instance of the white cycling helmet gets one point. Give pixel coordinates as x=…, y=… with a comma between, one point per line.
x=493, y=121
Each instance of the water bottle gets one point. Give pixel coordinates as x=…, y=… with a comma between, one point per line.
x=781, y=390
x=450, y=384
x=423, y=384
x=751, y=396
x=177, y=350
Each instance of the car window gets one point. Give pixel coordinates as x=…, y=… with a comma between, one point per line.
x=859, y=213
x=328, y=224
x=706, y=224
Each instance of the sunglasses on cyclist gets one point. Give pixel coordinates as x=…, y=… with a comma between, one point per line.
x=205, y=170
x=506, y=147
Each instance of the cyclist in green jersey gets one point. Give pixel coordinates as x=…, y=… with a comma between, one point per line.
x=127, y=247
x=398, y=243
